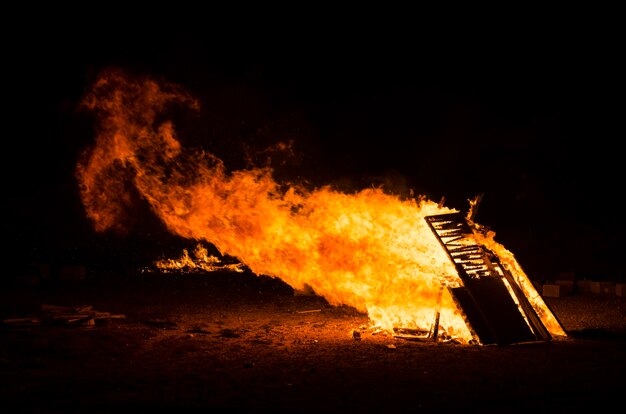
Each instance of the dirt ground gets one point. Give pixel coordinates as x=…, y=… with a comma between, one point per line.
x=236, y=342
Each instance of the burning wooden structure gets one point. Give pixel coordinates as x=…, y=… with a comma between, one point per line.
x=499, y=306
x=371, y=250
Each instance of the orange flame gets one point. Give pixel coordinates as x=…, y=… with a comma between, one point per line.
x=369, y=250
x=201, y=260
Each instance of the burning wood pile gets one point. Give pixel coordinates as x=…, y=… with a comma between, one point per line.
x=409, y=263
x=498, y=302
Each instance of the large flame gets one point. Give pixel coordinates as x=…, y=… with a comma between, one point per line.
x=370, y=250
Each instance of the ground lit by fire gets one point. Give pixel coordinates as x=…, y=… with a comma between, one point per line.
x=369, y=249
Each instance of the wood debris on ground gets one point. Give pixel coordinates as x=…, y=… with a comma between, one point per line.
x=54, y=315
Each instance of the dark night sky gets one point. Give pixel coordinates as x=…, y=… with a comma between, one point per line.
x=524, y=118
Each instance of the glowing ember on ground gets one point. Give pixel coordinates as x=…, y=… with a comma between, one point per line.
x=370, y=250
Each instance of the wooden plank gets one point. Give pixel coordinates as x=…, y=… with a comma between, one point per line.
x=488, y=306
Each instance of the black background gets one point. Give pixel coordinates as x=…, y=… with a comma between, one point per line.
x=526, y=114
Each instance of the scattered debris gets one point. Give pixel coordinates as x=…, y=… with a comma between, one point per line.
x=375, y=330
x=22, y=321
x=412, y=334
x=356, y=335
x=54, y=315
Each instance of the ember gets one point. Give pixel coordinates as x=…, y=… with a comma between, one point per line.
x=371, y=250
